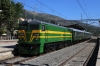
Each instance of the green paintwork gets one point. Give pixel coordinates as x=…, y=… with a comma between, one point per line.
x=44, y=37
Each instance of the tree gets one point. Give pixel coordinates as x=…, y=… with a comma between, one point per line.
x=5, y=7
x=11, y=11
x=16, y=10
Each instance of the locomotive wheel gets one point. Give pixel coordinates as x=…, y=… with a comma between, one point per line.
x=15, y=52
x=53, y=47
x=68, y=43
x=46, y=49
x=50, y=47
x=65, y=44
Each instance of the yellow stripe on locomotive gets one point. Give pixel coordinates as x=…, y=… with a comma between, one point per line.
x=43, y=34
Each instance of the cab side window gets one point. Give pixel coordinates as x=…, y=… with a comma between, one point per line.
x=43, y=27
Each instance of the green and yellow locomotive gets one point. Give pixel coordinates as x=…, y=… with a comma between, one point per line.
x=36, y=37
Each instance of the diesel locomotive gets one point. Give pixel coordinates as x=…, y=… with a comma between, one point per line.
x=36, y=37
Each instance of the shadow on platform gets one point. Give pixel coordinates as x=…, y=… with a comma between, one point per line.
x=98, y=58
x=93, y=59
x=12, y=46
x=92, y=41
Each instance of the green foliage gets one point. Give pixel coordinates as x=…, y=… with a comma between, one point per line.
x=11, y=11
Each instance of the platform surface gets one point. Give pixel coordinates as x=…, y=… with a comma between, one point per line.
x=98, y=57
x=7, y=46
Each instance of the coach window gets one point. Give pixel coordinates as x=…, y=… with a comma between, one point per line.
x=43, y=27
x=75, y=33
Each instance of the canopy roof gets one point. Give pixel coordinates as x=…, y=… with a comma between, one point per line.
x=76, y=26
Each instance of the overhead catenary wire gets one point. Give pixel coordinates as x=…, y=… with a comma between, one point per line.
x=51, y=8
x=82, y=9
x=41, y=10
x=89, y=18
x=87, y=13
x=86, y=9
x=23, y=2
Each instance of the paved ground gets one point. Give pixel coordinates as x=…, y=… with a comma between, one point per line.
x=4, y=46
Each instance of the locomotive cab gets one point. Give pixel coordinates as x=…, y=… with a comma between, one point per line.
x=28, y=35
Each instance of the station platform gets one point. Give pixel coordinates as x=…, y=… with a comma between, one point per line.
x=98, y=57
x=6, y=48
x=6, y=45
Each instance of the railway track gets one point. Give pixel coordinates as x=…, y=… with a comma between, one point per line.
x=5, y=61
x=81, y=58
x=57, y=58
x=18, y=60
x=69, y=56
x=15, y=60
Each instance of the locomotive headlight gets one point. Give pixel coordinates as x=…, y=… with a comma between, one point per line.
x=36, y=36
x=21, y=34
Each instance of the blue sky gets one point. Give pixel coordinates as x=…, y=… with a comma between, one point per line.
x=68, y=9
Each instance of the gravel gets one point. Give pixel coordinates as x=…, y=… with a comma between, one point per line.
x=55, y=58
x=81, y=57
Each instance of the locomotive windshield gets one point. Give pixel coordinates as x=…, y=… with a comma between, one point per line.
x=34, y=27
x=23, y=27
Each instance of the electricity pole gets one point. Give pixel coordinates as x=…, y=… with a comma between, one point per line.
x=81, y=17
x=34, y=11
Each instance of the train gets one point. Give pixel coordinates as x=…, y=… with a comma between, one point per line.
x=36, y=37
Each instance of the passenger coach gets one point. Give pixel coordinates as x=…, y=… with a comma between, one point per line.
x=80, y=35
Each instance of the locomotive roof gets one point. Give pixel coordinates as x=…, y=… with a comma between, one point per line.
x=39, y=22
x=32, y=22
x=36, y=22
x=23, y=22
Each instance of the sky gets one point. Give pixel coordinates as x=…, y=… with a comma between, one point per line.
x=68, y=9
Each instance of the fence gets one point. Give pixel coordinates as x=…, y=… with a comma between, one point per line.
x=7, y=37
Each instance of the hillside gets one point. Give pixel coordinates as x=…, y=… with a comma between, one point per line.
x=57, y=20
